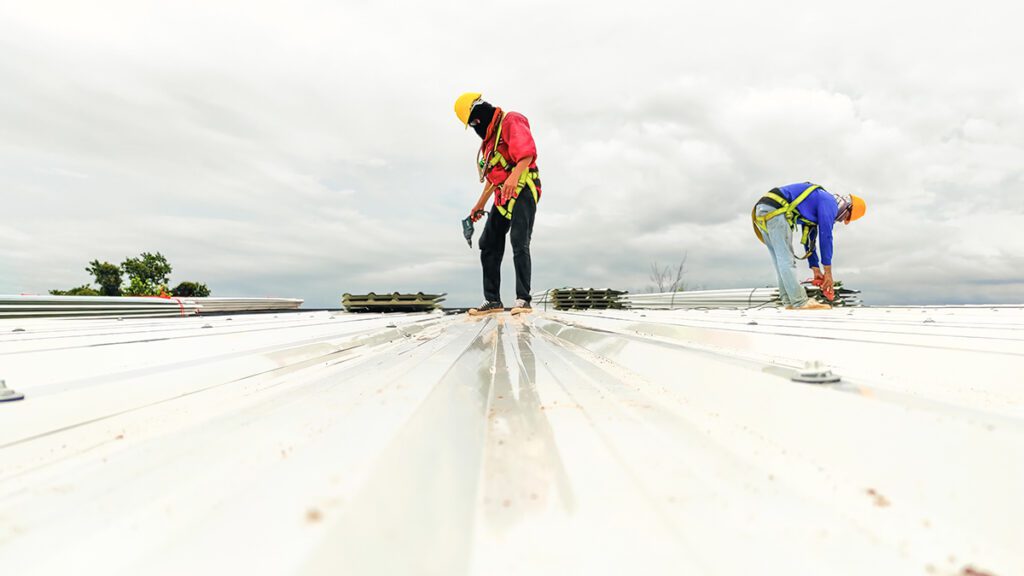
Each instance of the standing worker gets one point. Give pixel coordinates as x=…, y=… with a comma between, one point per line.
x=816, y=210
x=507, y=165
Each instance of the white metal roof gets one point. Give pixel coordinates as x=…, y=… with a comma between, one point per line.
x=615, y=442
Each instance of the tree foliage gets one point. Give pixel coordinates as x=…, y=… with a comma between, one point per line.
x=147, y=274
x=108, y=277
x=83, y=290
x=190, y=289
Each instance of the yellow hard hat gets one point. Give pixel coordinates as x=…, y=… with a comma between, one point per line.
x=858, y=207
x=464, y=105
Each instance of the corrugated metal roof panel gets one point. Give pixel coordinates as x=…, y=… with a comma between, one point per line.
x=640, y=442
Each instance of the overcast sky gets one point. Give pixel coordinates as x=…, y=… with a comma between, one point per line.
x=307, y=149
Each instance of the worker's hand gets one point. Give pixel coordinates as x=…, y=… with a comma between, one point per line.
x=508, y=188
x=826, y=282
x=818, y=276
x=477, y=212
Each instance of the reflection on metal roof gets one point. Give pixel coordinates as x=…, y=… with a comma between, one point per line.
x=599, y=442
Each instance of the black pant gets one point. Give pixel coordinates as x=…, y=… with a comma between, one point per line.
x=492, y=246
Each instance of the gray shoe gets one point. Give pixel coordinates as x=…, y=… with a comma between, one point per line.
x=521, y=307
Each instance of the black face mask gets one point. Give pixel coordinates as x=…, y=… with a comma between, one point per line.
x=483, y=112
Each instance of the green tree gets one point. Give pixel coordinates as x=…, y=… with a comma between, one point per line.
x=189, y=289
x=83, y=290
x=108, y=277
x=147, y=274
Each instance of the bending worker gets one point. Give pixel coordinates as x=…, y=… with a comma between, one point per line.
x=815, y=210
x=507, y=165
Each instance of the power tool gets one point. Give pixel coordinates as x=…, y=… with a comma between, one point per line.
x=467, y=226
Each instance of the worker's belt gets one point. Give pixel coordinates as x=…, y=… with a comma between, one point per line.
x=535, y=176
x=771, y=201
x=787, y=210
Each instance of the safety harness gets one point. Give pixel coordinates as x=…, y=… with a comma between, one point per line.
x=483, y=163
x=529, y=178
x=788, y=209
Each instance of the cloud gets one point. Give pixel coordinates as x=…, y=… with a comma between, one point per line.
x=311, y=150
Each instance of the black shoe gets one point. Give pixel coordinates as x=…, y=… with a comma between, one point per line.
x=487, y=308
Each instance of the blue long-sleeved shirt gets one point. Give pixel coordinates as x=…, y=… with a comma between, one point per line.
x=821, y=208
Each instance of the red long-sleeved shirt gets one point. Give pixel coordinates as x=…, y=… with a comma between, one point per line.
x=516, y=143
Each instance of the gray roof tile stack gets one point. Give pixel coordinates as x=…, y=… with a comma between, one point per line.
x=585, y=298
x=394, y=302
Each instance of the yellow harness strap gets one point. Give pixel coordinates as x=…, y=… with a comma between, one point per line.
x=527, y=178
x=788, y=209
x=483, y=164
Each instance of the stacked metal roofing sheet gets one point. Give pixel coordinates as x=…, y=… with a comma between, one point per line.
x=733, y=298
x=219, y=305
x=16, y=306
x=394, y=302
x=584, y=298
x=595, y=442
x=738, y=298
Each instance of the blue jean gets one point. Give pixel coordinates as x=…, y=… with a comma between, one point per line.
x=779, y=240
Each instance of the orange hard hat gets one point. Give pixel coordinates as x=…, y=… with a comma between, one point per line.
x=858, y=207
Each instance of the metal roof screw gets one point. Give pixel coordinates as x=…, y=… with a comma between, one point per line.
x=207, y=326
x=8, y=395
x=929, y=321
x=816, y=373
x=18, y=330
x=752, y=323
